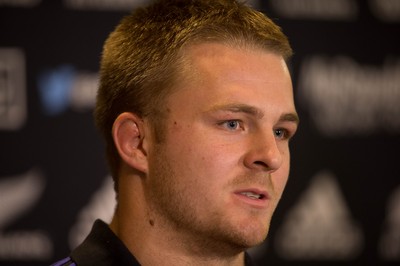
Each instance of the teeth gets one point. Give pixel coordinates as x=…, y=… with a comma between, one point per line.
x=251, y=195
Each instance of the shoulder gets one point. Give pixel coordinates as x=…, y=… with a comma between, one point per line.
x=64, y=262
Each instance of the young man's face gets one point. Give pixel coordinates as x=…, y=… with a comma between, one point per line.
x=222, y=167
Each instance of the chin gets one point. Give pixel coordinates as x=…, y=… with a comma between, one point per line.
x=251, y=236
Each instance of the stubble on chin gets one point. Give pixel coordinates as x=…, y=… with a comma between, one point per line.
x=173, y=208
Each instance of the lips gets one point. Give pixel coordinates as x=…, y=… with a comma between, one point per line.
x=253, y=194
x=253, y=198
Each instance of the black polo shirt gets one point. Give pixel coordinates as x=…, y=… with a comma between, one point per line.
x=103, y=248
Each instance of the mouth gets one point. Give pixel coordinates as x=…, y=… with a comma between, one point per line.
x=254, y=198
x=253, y=195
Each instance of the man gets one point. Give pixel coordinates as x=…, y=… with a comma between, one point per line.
x=196, y=107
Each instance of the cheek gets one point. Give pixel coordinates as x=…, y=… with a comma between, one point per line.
x=202, y=161
x=282, y=180
x=282, y=174
x=195, y=145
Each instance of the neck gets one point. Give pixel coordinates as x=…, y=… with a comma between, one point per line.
x=154, y=242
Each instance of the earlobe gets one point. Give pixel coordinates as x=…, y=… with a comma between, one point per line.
x=128, y=134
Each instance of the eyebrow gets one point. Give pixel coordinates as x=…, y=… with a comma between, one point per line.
x=238, y=108
x=290, y=117
x=244, y=108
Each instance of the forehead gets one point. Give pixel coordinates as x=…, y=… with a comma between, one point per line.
x=218, y=74
x=219, y=60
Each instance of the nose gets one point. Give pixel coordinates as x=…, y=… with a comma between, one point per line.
x=264, y=153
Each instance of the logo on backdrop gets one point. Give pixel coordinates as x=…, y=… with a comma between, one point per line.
x=18, y=194
x=340, y=10
x=389, y=245
x=320, y=225
x=64, y=87
x=386, y=10
x=317, y=9
x=100, y=206
x=12, y=89
x=344, y=97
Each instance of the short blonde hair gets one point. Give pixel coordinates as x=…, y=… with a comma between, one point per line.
x=140, y=59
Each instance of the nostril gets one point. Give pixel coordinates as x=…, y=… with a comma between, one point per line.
x=266, y=166
x=261, y=163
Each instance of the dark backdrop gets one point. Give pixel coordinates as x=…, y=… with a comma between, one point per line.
x=342, y=202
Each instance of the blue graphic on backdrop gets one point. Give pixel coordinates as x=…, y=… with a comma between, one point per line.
x=54, y=89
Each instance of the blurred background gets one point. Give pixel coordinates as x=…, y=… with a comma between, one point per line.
x=342, y=202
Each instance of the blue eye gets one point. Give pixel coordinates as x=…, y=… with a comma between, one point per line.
x=281, y=133
x=232, y=124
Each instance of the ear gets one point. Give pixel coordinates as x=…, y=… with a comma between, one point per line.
x=128, y=134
